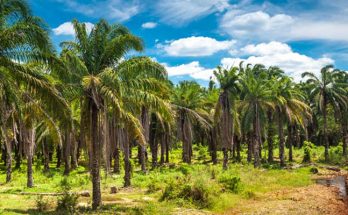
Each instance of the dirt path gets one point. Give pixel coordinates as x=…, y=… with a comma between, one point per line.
x=311, y=200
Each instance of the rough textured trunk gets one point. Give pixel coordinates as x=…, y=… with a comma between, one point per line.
x=281, y=139
x=326, y=141
x=270, y=134
x=226, y=126
x=163, y=149
x=290, y=141
x=18, y=155
x=256, y=138
x=67, y=145
x=127, y=164
x=225, y=160
x=167, y=146
x=238, y=148
x=8, y=162
x=74, y=148
x=45, y=152
x=117, y=161
x=213, y=145
x=250, y=148
x=30, y=182
x=30, y=154
x=59, y=156
x=145, y=122
x=95, y=170
x=186, y=137
x=152, y=140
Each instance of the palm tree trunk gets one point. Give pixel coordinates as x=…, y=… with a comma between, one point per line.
x=67, y=145
x=270, y=137
x=326, y=141
x=238, y=148
x=256, y=139
x=74, y=150
x=145, y=122
x=30, y=154
x=127, y=165
x=8, y=161
x=291, y=137
x=281, y=139
x=152, y=140
x=163, y=149
x=117, y=161
x=59, y=156
x=212, y=145
x=95, y=170
x=45, y=155
x=250, y=147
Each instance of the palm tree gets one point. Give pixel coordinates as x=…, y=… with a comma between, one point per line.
x=187, y=100
x=255, y=102
x=228, y=80
x=96, y=69
x=326, y=89
x=23, y=40
x=289, y=106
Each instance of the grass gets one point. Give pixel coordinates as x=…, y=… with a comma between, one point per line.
x=192, y=183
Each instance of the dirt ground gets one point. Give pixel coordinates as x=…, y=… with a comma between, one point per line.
x=311, y=200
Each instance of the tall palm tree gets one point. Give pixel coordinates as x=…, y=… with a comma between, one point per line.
x=23, y=40
x=229, y=89
x=96, y=69
x=187, y=99
x=326, y=89
x=255, y=102
x=290, y=107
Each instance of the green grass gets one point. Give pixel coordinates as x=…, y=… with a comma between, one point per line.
x=254, y=183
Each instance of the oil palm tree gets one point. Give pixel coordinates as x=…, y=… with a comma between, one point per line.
x=326, y=89
x=24, y=39
x=187, y=100
x=229, y=89
x=97, y=71
x=255, y=102
x=289, y=104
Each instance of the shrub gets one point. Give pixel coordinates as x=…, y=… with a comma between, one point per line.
x=41, y=203
x=199, y=192
x=68, y=201
x=231, y=183
x=307, y=149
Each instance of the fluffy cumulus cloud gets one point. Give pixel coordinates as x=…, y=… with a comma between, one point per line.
x=193, y=69
x=254, y=25
x=261, y=26
x=67, y=28
x=112, y=9
x=149, y=25
x=281, y=55
x=180, y=12
x=195, y=46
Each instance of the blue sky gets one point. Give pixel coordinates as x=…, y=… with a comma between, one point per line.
x=192, y=37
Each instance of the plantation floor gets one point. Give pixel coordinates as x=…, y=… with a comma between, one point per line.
x=311, y=200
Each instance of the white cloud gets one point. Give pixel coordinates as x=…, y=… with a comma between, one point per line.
x=195, y=46
x=180, y=12
x=258, y=25
x=149, y=25
x=67, y=28
x=118, y=10
x=281, y=55
x=193, y=69
x=261, y=26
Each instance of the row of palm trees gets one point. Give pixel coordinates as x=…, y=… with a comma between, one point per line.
x=92, y=102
